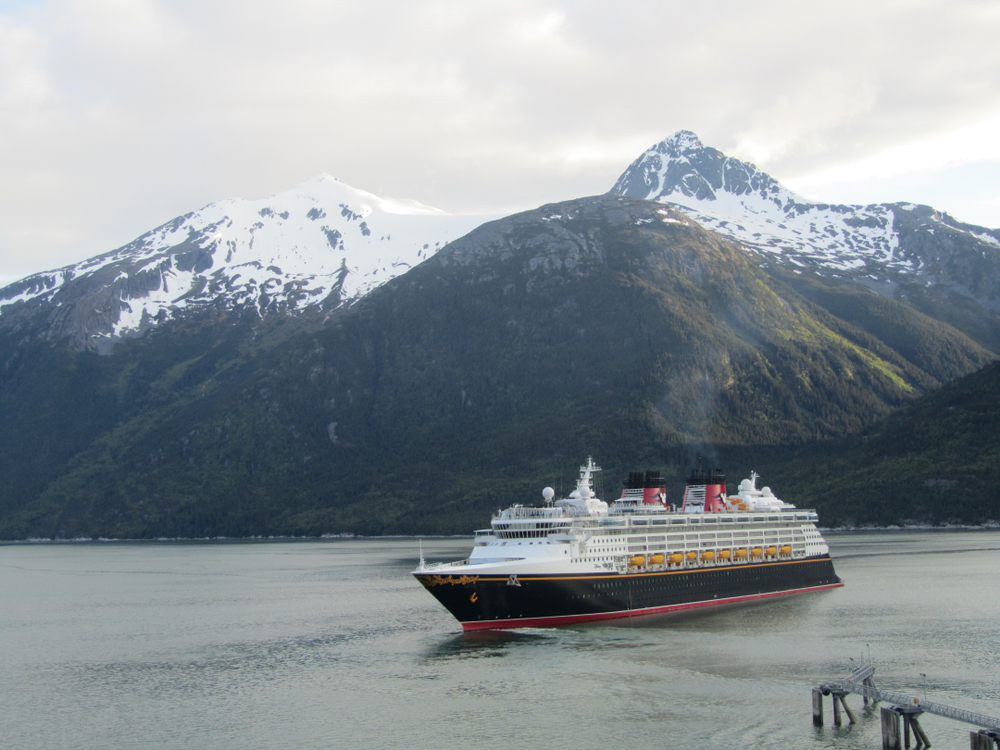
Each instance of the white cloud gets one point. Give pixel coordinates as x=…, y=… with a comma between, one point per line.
x=23, y=78
x=116, y=115
x=543, y=29
x=955, y=170
x=979, y=141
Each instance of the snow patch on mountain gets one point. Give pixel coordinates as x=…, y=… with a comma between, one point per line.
x=987, y=238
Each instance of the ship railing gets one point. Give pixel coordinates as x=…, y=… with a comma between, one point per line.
x=734, y=517
x=629, y=508
x=445, y=565
x=523, y=512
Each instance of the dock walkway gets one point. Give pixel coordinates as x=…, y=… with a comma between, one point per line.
x=906, y=705
x=858, y=684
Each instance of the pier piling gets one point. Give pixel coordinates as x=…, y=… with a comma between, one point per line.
x=869, y=682
x=984, y=740
x=838, y=703
x=890, y=730
x=817, y=707
x=847, y=709
x=918, y=731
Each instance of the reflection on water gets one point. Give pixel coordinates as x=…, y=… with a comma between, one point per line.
x=744, y=618
x=869, y=543
x=480, y=644
x=320, y=644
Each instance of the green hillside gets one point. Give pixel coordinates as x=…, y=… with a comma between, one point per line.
x=936, y=461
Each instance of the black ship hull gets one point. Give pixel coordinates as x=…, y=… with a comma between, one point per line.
x=483, y=602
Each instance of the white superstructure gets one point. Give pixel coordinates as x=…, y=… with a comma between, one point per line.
x=582, y=534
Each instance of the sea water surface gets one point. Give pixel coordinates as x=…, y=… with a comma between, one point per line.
x=332, y=644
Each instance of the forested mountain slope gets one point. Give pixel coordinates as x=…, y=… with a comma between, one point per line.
x=936, y=461
x=610, y=326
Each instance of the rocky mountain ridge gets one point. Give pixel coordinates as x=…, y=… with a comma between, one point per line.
x=885, y=245
x=322, y=244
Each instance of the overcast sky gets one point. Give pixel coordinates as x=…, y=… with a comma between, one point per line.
x=118, y=115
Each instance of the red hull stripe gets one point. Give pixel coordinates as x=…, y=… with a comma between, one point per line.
x=557, y=620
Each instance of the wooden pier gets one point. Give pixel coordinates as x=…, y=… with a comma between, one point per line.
x=904, y=707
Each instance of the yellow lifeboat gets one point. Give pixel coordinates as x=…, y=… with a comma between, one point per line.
x=691, y=555
x=676, y=557
x=786, y=549
x=708, y=554
x=756, y=552
x=656, y=559
x=725, y=554
x=740, y=554
x=636, y=560
x=771, y=551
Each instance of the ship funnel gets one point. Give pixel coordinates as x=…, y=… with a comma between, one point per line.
x=648, y=488
x=705, y=491
x=654, y=489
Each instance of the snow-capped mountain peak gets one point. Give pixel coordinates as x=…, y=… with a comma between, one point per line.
x=739, y=200
x=679, y=142
x=324, y=184
x=321, y=243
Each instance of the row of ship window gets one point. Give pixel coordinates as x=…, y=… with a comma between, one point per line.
x=542, y=533
x=682, y=580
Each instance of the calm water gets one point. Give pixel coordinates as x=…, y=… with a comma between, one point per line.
x=332, y=645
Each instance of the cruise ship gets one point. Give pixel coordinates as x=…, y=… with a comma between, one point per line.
x=579, y=559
